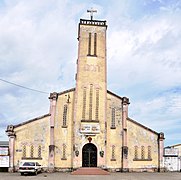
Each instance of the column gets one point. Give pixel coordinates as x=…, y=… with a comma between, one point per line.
x=160, y=151
x=11, y=134
x=51, y=160
x=125, y=103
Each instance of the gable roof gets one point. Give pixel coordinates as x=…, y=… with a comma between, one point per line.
x=45, y=115
x=135, y=122
x=109, y=92
x=66, y=91
x=31, y=120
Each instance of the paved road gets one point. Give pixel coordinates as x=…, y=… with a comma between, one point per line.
x=113, y=176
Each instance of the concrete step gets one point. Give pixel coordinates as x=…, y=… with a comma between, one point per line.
x=90, y=171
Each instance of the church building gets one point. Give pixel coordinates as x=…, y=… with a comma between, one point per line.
x=87, y=126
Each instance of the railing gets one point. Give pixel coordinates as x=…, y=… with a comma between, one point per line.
x=92, y=22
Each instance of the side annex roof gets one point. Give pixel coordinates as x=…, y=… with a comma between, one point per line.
x=31, y=120
x=109, y=92
x=45, y=115
x=131, y=120
x=66, y=91
x=135, y=122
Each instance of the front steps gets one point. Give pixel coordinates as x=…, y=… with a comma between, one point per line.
x=90, y=171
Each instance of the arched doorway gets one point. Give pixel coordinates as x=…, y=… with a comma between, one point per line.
x=89, y=155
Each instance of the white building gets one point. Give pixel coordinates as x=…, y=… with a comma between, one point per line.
x=172, y=158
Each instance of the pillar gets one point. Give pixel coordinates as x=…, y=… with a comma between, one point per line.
x=11, y=134
x=160, y=151
x=125, y=103
x=51, y=160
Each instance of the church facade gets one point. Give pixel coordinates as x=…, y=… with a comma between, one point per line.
x=87, y=126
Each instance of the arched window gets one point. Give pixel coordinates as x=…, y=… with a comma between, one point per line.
x=31, y=151
x=89, y=45
x=90, y=101
x=24, y=151
x=136, y=152
x=113, y=153
x=39, y=151
x=95, y=44
x=142, y=152
x=113, y=113
x=64, y=116
x=64, y=147
x=84, y=103
x=149, y=152
x=97, y=105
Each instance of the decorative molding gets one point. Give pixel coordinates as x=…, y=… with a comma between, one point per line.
x=51, y=148
x=92, y=67
x=125, y=101
x=90, y=121
x=142, y=159
x=33, y=158
x=101, y=153
x=63, y=126
x=89, y=139
x=113, y=159
x=161, y=136
x=10, y=131
x=77, y=153
x=92, y=55
x=125, y=152
x=92, y=22
x=53, y=95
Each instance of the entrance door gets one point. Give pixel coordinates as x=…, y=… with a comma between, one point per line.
x=89, y=155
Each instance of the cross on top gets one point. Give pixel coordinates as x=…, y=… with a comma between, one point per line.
x=91, y=11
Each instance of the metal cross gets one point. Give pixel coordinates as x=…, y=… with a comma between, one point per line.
x=91, y=11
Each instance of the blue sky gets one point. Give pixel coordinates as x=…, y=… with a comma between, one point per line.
x=38, y=49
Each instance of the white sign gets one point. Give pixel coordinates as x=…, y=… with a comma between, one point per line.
x=90, y=128
x=4, y=161
x=171, y=152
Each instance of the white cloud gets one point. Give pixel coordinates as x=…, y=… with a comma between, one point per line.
x=38, y=49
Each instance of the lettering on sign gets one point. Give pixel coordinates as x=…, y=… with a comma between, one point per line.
x=92, y=68
x=90, y=128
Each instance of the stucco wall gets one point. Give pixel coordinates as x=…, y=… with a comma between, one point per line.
x=34, y=134
x=114, y=135
x=62, y=132
x=139, y=136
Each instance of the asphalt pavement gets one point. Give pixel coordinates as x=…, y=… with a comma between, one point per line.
x=112, y=176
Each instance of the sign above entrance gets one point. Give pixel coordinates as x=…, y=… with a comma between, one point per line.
x=90, y=128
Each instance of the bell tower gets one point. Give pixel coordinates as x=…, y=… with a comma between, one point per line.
x=91, y=87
